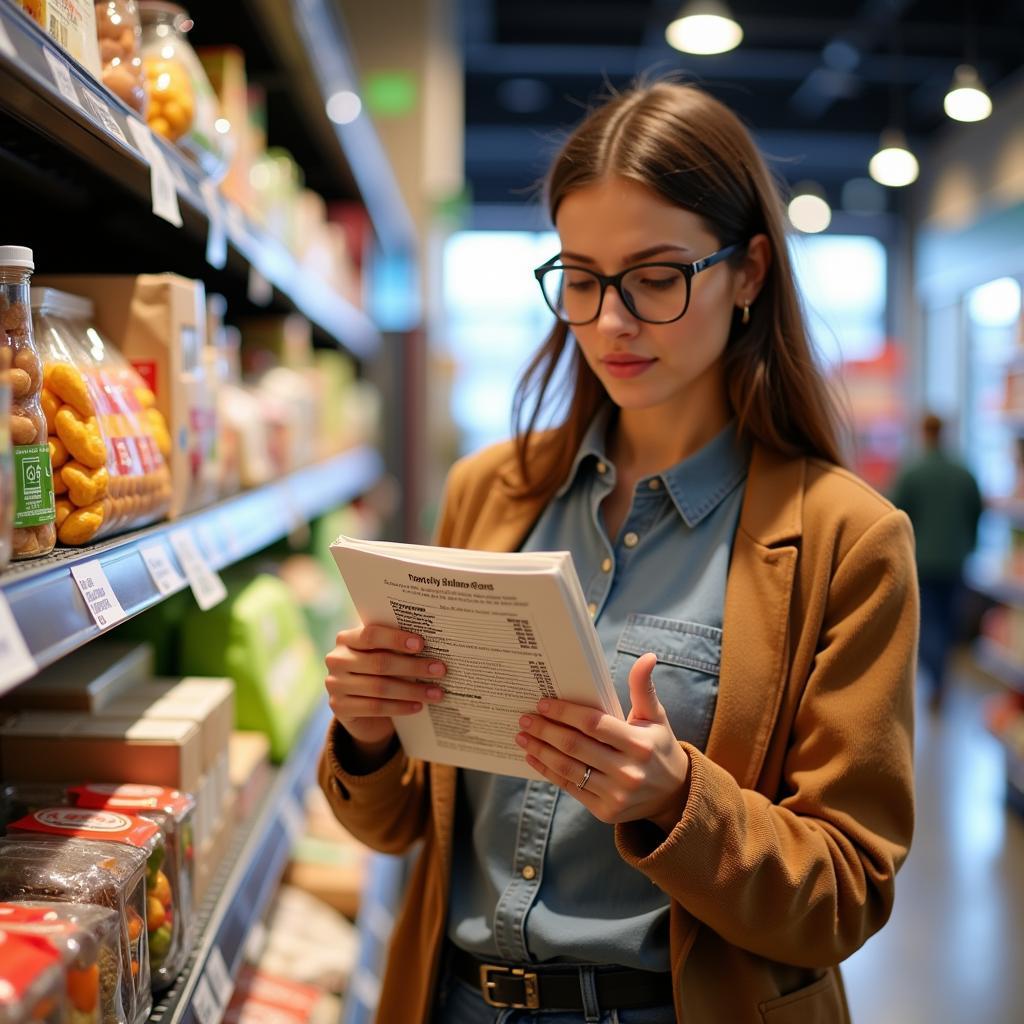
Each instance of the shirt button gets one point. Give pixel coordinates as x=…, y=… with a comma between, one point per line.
x=631, y=540
x=592, y=608
x=529, y=872
x=606, y=565
x=602, y=468
x=655, y=484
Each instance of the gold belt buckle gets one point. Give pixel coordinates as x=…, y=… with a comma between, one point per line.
x=530, y=990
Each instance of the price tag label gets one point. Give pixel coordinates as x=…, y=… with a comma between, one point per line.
x=6, y=46
x=161, y=569
x=61, y=75
x=16, y=663
x=104, y=607
x=104, y=117
x=216, y=237
x=220, y=979
x=207, y=586
x=164, y=190
x=204, y=1002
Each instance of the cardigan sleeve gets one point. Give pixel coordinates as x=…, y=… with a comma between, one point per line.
x=387, y=809
x=806, y=880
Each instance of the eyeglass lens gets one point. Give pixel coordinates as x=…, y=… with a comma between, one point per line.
x=657, y=294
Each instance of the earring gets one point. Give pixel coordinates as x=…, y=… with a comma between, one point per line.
x=745, y=319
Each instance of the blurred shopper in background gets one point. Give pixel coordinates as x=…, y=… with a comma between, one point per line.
x=713, y=857
x=942, y=499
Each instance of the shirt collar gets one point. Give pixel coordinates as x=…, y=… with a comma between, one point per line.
x=696, y=485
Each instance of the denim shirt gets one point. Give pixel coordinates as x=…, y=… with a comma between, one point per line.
x=536, y=877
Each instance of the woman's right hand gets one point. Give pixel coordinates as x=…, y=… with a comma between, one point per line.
x=373, y=675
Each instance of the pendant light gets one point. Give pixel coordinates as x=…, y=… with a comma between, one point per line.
x=894, y=164
x=808, y=210
x=967, y=99
x=704, y=27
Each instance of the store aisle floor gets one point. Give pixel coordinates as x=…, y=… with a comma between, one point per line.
x=953, y=952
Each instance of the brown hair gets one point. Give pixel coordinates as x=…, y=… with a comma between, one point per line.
x=694, y=151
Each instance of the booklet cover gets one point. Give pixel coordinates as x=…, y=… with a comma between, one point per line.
x=511, y=628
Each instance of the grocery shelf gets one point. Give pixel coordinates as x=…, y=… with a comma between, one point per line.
x=51, y=612
x=70, y=141
x=997, y=661
x=984, y=576
x=241, y=891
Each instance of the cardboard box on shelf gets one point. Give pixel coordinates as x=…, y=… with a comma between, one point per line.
x=87, y=680
x=158, y=321
x=249, y=765
x=210, y=703
x=53, y=746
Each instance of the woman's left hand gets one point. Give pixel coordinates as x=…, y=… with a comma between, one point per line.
x=637, y=768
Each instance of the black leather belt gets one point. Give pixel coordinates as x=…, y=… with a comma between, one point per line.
x=557, y=986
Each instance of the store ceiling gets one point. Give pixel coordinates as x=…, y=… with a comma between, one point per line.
x=817, y=80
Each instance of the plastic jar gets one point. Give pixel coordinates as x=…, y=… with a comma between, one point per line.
x=6, y=472
x=120, y=40
x=183, y=107
x=34, y=533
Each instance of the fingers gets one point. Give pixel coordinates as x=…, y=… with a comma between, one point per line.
x=611, y=731
x=346, y=708
x=382, y=663
x=567, y=748
x=380, y=688
x=370, y=638
x=588, y=796
x=642, y=694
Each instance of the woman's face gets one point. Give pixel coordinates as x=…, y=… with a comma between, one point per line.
x=616, y=223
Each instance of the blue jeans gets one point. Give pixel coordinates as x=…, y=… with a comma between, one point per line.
x=459, y=1003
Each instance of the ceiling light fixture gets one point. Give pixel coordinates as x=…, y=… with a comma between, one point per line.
x=894, y=164
x=808, y=210
x=704, y=27
x=967, y=99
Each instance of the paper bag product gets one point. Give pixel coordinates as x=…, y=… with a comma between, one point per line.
x=72, y=25
x=158, y=321
x=68, y=869
x=44, y=746
x=87, y=940
x=107, y=440
x=169, y=884
x=87, y=680
x=31, y=981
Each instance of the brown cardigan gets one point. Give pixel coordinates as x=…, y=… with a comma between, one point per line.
x=801, y=809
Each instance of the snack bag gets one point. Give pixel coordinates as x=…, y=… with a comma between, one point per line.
x=108, y=442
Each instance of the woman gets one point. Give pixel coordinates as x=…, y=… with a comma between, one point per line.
x=714, y=857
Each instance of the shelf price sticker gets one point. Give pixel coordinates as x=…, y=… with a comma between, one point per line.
x=103, y=116
x=216, y=236
x=207, y=587
x=165, y=576
x=204, y=1002
x=61, y=75
x=104, y=607
x=220, y=978
x=164, y=190
x=16, y=663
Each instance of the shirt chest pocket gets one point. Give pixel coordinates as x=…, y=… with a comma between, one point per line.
x=686, y=676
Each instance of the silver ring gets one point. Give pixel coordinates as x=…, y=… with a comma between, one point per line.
x=586, y=778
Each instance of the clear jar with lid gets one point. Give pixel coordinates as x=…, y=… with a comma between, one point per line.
x=183, y=107
x=120, y=39
x=34, y=532
x=6, y=472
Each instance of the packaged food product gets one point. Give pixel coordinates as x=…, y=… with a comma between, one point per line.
x=6, y=472
x=31, y=981
x=120, y=49
x=182, y=105
x=20, y=798
x=225, y=69
x=169, y=910
x=87, y=938
x=34, y=533
x=72, y=25
x=108, y=441
x=88, y=870
x=259, y=638
x=158, y=322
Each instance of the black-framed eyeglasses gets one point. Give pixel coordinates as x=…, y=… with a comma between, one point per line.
x=657, y=293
